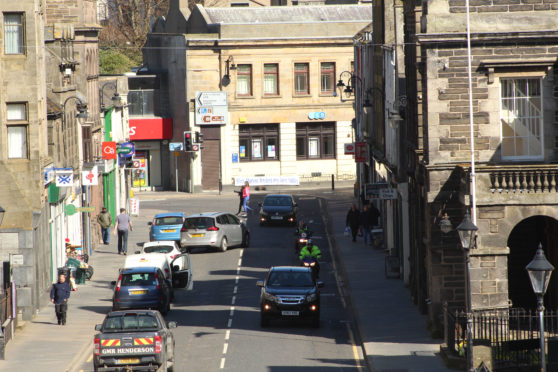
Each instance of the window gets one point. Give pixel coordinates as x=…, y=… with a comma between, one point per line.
x=258, y=142
x=16, y=115
x=13, y=33
x=315, y=141
x=327, y=77
x=244, y=80
x=86, y=137
x=271, y=79
x=301, y=79
x=141, y=102
x=521, y=118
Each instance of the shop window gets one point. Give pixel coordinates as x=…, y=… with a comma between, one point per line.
x=258, y=142
x=302, y=78
x=521, y=118
x=244, y=80
x=271, y=79
x=13, y=33
x=327, y=77
x=141, y=102
x=315, y=141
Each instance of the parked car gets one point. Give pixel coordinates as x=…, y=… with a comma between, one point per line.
x=278, y=208
x=133, y=340
x=214, y=230
x=290, y=292
x=166, y=226
x=167, y=247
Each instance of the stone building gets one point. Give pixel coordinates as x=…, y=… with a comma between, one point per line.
x=278, y=68
x=24, y=153
x=514, y=56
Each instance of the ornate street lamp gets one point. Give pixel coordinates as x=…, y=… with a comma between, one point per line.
x=539, y=270
x=467, y=234
x=2, y=212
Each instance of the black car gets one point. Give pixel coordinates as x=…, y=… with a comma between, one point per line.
x=290, y=292
x=278, y=208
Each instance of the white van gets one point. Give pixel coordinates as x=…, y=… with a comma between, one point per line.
x=178, y=271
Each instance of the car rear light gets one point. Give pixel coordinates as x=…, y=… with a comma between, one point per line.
x=183, y=229
x=156, y=279
x=174, y=256
x=158, y=344
x=97, y=346
x=118, y=283
x=213, y=228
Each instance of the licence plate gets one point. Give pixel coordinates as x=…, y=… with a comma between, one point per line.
x=196, y=235
x=128, y=361
x=276, y=217
x=290, y=313
x=138, y=292
x=169, y=230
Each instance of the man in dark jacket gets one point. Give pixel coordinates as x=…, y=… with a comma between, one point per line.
x=369, y=219
x=59, y=295
x=353, y=220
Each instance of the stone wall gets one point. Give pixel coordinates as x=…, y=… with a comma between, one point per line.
x=483, y=6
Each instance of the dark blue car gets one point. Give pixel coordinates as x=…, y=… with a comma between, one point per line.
x=166, y=226
x=142, y=288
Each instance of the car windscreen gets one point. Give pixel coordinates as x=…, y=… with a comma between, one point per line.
x=277, y=202
x=141, y=279
x=122, y=323
x=199, y=223
x=158, y=249
x=168, y=221
x=290, y=279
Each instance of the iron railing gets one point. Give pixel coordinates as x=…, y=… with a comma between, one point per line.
x=513, y=335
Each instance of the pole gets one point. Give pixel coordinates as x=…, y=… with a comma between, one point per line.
x=470, y=362
x=471, y=126
x=540, y=308
x=332, y=182
x=176, y=171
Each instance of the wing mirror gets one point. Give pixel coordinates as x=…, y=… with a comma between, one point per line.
x=150, y=223
x=113, y=282
x=320, y=284
x=260, y=283
x=98, y=327
x=137, y=252
x=171, y=325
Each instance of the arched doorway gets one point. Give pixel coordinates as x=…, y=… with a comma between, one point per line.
x=523, y=242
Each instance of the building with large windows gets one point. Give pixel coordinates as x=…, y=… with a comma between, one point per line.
x=274, y=70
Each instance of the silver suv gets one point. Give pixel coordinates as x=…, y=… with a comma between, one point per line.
x=215, y=230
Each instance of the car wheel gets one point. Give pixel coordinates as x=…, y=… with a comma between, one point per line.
x=264, y=320
x=164, y=366
x=246, y=240
x=316, y=321
x=223, y=246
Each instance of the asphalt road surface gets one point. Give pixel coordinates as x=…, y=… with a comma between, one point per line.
x=218, y=321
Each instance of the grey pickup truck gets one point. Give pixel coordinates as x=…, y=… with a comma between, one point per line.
x=134, y=340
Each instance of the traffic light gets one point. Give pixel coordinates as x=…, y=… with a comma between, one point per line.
x=188, y=141
x=199, y=139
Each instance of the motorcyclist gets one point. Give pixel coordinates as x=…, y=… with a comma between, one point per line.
x=310, y=250
x=302, y=228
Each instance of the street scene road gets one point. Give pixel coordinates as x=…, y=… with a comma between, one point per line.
x=218, y=321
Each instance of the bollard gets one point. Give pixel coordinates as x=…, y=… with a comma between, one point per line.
x=332, y=182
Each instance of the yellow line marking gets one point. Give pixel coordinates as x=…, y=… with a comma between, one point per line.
x=90, y=358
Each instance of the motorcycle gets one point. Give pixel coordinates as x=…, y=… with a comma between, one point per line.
x=301, y=240
x=312, y=263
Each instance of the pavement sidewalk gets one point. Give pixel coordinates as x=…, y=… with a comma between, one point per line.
x=43, y=345
x=393, y=332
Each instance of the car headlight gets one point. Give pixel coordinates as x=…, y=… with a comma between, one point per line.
x=302, y=241
x=311, y=297
x=270, y=297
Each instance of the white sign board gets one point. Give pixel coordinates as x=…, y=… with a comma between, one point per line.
x=16, y=259
x=388, y=193
x=268, y=181
x=134, y=206
x=64, y=178
x=349, y=148
x=211, y=108
x=90, y=177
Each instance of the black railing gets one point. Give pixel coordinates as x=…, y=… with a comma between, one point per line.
x=513, y=335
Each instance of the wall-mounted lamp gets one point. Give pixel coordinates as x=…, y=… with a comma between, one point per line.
x=445, y=224
x=2, y=212
x=116, y=98
x=349, y=88
x=230, y=65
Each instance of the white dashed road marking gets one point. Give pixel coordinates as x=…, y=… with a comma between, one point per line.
x=231, y=313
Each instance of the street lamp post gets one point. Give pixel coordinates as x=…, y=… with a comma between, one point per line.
x=467, y=234
x=539, y=270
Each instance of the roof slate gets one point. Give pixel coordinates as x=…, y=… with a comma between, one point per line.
x=290, y=14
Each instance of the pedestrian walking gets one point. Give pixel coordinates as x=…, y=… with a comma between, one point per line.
x=105, y=220
x=353, y=220
x=241, y=201
x=59, y=295
x=122, y=226
x=368, y=219
x=246, y=196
